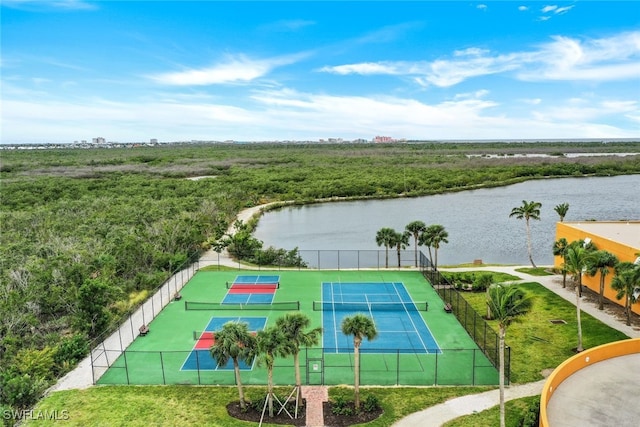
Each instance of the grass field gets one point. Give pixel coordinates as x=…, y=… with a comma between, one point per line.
x=160, y=356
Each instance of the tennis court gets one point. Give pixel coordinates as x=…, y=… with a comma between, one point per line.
x=396, y=316
x=417, y=344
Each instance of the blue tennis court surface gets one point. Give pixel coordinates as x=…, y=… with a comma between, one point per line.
x=247, y=279
x=248, y=298
x=200, y=357
x=399, y=324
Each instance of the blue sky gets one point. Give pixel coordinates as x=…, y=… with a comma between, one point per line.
x=253, y=71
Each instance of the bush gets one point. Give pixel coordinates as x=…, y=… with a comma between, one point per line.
x=371, y=403
x=482, y=282
x=532, y=417
x=69, y=352
x=21, y=391
x=341, y=406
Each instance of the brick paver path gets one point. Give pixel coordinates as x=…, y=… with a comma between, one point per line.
x=315, y=396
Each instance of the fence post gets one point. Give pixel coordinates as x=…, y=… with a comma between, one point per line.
x=198, y=365
x=435, y=374
x=397, y=367
x=164, y=381
x=473, y=369
x=126, y=366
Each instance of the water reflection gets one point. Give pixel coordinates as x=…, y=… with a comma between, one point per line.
x=477, y=221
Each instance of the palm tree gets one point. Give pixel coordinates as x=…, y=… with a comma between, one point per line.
x=576, y=262
x=627, y=282
x=235, y=342
x=560, y=249
x=400, y=241
x=272, y=343
x=601, y=262
x=384, y=237
x=294, y=325
x=528, y=210
x=506, y=304
x=562, y=210
x=432, y=237
x=360, y=326
x=415, y=228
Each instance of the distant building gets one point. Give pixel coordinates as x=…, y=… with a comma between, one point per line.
x=383, y=139
x=99, y=140
x=153, y=141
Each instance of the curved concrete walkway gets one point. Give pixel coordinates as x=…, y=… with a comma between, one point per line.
x=467, y=405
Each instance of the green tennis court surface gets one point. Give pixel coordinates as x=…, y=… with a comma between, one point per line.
x=432, y=349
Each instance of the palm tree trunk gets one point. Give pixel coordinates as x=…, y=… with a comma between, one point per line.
x=296, y=362
x=501, y=375
x=398, y=257
x=386, y=257
x=579, y=348
x=356, y=367
x=270, y=392
x=601, y=296
x=529, y=247
x=627, y=309
x=436, y=258
x=236, y=368
x=415, y=250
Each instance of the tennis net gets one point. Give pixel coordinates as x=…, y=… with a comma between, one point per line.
x=275, y=285
x=284, y=305
x=369, y=306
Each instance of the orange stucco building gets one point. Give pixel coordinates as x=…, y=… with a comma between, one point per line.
x=621, y=238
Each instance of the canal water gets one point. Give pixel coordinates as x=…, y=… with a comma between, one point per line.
x=477, y=221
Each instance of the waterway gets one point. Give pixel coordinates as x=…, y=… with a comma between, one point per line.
x=477, y=221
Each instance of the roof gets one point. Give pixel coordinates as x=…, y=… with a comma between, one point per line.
x=624, y=232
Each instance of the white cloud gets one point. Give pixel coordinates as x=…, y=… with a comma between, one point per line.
x=523, y=8
x=580, y=110
x=237, y=69
x=532, y=101
x=548, y=9
x=35, y=5
x=562, y=10
x=365, y=68
x=482, y=7
x=613, y=58
x=290, y=114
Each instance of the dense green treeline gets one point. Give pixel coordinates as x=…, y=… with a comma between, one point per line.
x=86, y=234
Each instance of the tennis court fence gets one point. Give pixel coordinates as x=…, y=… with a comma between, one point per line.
x=337, y=259
x=318, y=366
x=475, y=325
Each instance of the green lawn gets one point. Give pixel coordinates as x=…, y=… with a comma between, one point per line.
x=515, y=411
x=538, y=344
x=205, y=405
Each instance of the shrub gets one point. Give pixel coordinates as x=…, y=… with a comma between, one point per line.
x=69, y=352
x=341, y=406
x=482, y=282
x=21, y=391
x=371, y=403
x=532, y=417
